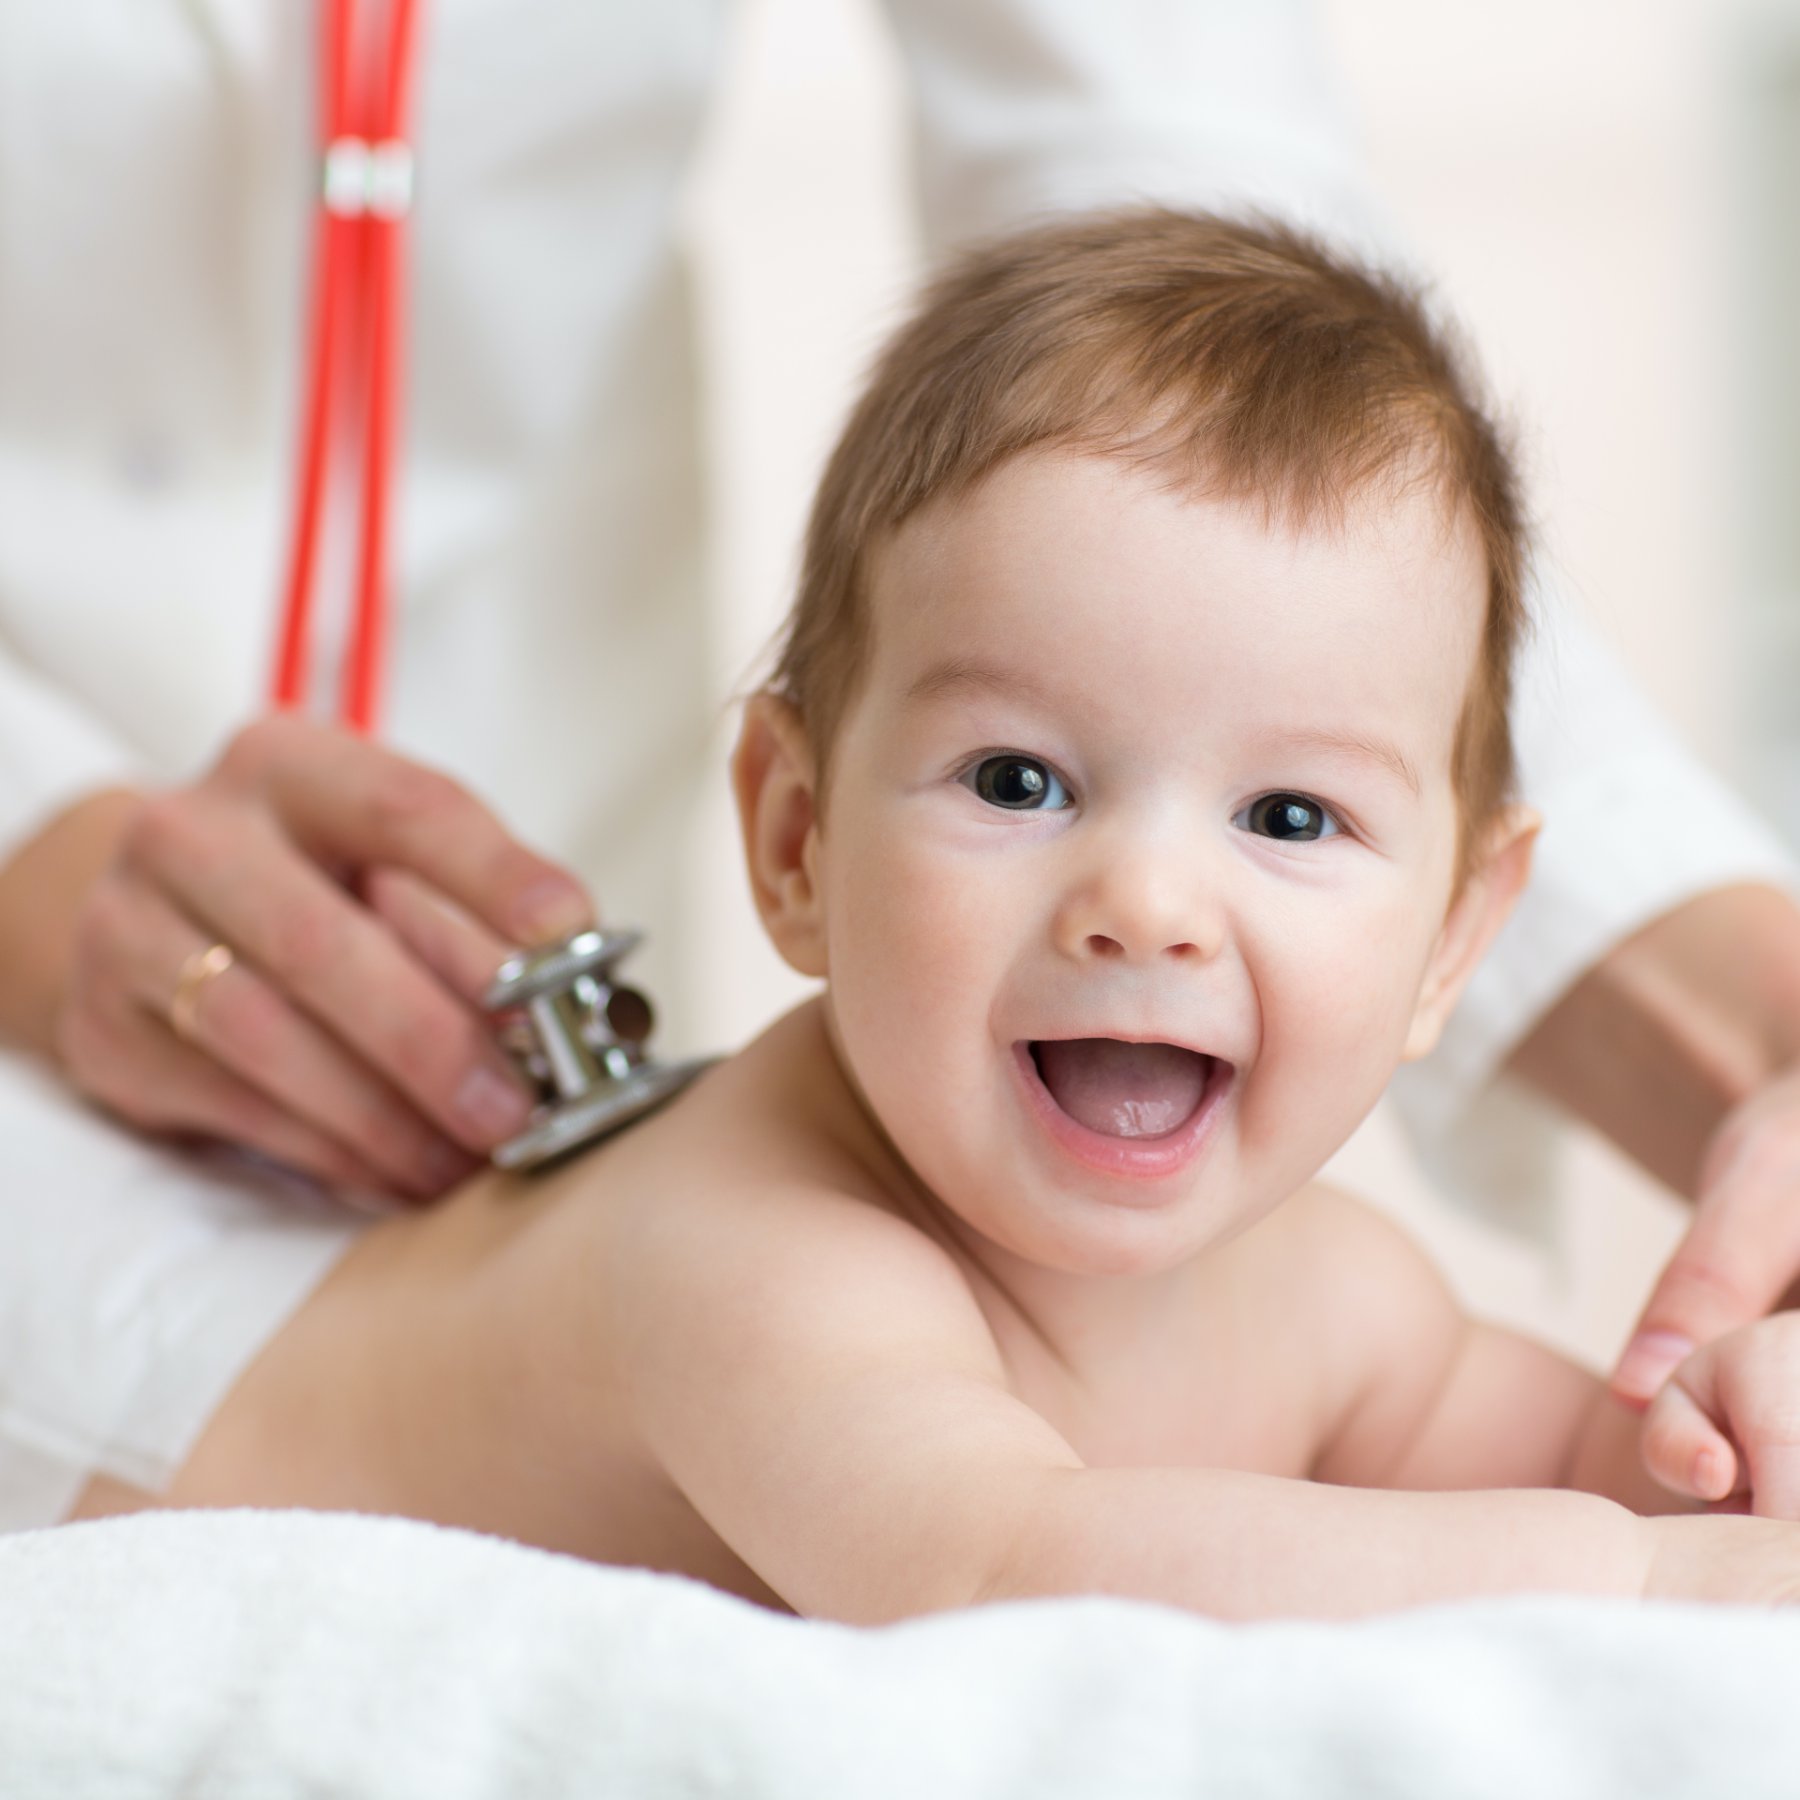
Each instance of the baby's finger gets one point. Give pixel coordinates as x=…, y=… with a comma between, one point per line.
x=1684, y=1449
x=1747, y=1381
x=1771, y=1439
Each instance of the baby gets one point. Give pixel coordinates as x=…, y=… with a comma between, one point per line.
x=1136, y=779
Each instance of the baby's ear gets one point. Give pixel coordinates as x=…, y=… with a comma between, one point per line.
x=774, y=775
x=1494, y=883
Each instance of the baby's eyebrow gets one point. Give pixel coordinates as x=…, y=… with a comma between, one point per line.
x=1357, y=743
x=954, y=675
x=968, y=674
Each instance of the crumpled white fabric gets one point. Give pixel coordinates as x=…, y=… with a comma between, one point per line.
x=136, y=1286
x=275, y=1654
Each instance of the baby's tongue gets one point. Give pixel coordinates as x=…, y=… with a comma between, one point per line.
x=1123, y=1090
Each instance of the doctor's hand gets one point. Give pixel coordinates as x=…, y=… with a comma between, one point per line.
x=1741, y=1255
x=1725, y=1427
x=287, y=954
x=1682, y=1045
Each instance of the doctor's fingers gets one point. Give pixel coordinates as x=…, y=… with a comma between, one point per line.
x=144, y=956
x=1741, y=1251
x=355, y=803
x=131, y=1064
x=462, y=953
x=231, y=871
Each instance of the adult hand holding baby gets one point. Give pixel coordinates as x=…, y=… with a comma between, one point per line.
x=1740, y=1257
x=286, y=953
x=1683, y=1047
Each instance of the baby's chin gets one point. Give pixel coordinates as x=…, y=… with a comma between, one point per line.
x=1081, y=1240
x=1005, y=1217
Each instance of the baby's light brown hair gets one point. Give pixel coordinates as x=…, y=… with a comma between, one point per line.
x=1242, y=360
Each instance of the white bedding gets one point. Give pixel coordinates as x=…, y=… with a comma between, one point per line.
x=274, y=1654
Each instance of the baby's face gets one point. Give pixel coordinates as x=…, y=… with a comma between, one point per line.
x=1139, y=838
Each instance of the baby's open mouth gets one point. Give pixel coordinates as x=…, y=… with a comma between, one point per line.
x=1123, y=1090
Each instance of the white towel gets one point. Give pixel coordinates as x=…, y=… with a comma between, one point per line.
x=276, y=1654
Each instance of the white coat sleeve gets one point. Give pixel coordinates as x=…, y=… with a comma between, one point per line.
x=1025, y=107
x=1633, y=825
x=53, y=750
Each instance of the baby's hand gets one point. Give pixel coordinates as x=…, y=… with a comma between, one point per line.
x=1725, y=1427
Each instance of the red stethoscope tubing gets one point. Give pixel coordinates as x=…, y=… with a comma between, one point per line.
x=357, y=339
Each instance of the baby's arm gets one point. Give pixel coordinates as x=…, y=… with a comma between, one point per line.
x=1439, y=1400
x=818, y=1380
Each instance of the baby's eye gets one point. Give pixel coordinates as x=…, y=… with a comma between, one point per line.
x=1018, y=783
x=1292, y=818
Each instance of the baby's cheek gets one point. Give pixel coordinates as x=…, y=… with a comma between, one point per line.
x=1333, y=1027
x=910, y=952
x=902, y=908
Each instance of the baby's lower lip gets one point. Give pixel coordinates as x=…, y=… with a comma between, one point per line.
x=1145, y=1159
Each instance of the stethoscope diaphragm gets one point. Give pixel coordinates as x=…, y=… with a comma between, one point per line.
x=579, y=1039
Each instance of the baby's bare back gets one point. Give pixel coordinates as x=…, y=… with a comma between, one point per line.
x=458, y=1365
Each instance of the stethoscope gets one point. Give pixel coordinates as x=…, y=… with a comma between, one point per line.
x=575, y=1034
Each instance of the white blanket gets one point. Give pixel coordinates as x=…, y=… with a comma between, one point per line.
x=274, y=1654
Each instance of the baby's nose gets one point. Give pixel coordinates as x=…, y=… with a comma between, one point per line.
x=1142, y=909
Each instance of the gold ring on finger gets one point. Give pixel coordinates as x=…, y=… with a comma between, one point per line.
x=199, y=969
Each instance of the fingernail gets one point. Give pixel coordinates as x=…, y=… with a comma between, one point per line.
x=491, y=1106
x=552, y=909
x=1649, y=1360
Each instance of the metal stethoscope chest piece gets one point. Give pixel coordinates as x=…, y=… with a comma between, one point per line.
x=578, y=1037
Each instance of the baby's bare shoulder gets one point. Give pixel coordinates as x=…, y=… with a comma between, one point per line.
x=765, y=1200
x=1327, y=1225
x=1380, y=1323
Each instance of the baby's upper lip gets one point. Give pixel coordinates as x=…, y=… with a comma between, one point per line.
x=1127, y=1036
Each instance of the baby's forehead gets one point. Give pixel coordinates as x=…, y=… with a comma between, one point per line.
x=1060, y=537
x=1086, y=604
